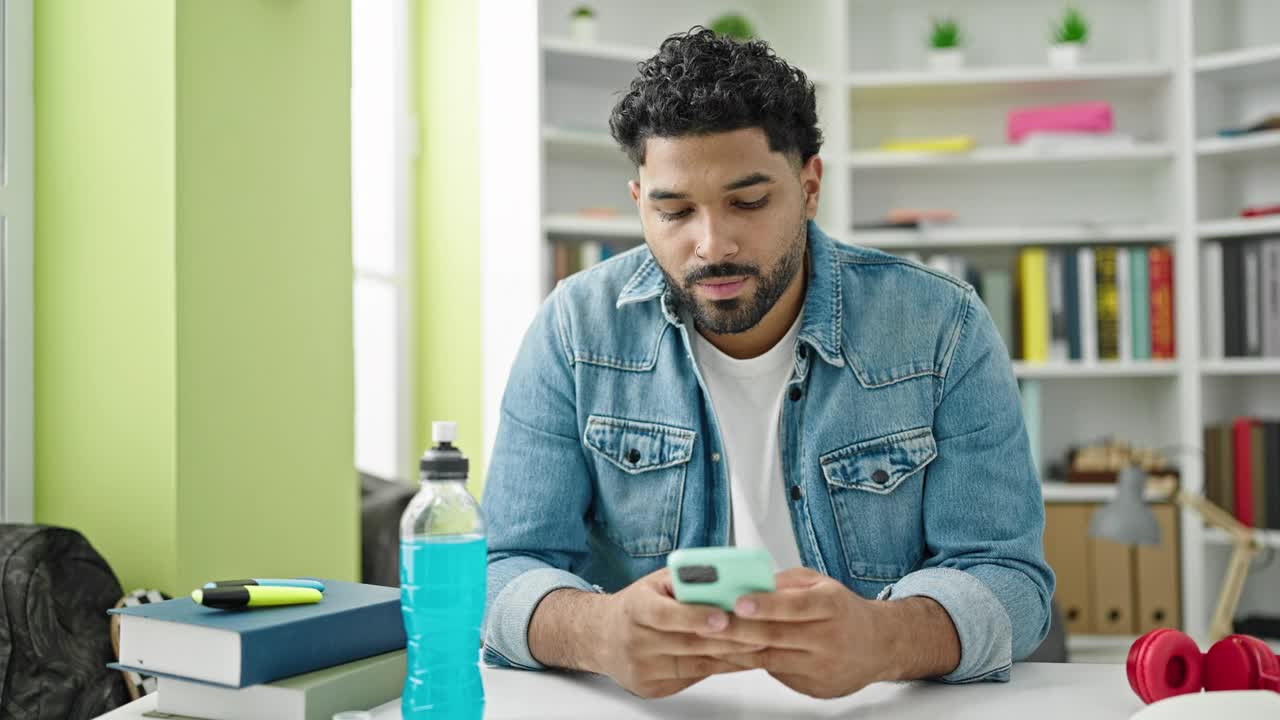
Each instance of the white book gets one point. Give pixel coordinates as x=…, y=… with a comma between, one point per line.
x=358, y=685
x=1088, y=305
x=1270, y=288
x=1252, y=302
x=1212, y=330
x=1124, y=293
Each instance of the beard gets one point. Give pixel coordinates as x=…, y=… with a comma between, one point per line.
x=739, y=314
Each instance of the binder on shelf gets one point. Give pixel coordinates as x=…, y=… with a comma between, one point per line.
x=1158, y=602
x=1233, y=298
x=1270, y=291
x=1066, y=550
x=1112, y=569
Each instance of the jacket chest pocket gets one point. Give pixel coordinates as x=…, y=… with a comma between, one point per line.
x=877, y=489
x=640, y=470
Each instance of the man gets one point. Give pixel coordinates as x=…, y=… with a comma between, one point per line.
x=744, y=380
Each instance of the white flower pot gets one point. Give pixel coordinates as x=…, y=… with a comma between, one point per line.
x=583, y=29
x=948, y=60
x=1064, y=55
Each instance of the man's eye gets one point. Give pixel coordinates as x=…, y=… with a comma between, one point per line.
x=669, y=217
x=754, y=204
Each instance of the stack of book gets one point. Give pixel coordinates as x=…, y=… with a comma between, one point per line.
x=299, y=662
x=1241, y=286
x=1080, y=304
x=1242, y=470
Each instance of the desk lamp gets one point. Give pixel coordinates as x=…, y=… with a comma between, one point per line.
x=1127, y=519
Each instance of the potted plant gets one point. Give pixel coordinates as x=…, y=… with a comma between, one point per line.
x=1068, y=37
x=582, y=24
x=945, y=53
x=734, y=26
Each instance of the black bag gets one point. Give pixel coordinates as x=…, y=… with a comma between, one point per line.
x=55, y=640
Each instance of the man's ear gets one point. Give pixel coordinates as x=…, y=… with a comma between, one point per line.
x=811, y=185
x=634, y=187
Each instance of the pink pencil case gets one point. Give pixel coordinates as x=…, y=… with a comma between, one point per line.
x=1077, y=117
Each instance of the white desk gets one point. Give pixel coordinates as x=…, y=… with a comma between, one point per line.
x=1039, y=691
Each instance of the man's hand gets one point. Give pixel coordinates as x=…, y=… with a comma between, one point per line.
x=641, y=636
x=823, y=640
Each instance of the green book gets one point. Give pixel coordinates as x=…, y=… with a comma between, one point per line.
x=1140, y=299
x=358, y=685
x=997, y=295
x=1031, y=417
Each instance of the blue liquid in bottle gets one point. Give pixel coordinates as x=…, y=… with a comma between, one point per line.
x=442, y=589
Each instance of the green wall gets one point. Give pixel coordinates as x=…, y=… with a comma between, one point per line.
x=448, y=211
x=194, y=391
x=105, y=312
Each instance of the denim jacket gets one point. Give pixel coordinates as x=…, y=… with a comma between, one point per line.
x=906, y=460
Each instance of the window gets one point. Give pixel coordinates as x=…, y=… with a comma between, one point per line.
x=383, y=146
x=16, y=252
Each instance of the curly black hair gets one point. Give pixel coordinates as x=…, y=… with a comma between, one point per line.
x=701, y=82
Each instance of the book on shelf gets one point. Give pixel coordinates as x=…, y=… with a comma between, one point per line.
x=1077, y=304
x=1211, y=317
x=178, y=638
x=1159, y=291
x=317, y=695
x=1241, y=287
x=1108, y=304
x=570, y=257
x=1242, y=470
x=1140, y=301
x=1035, y=304
x=1087, y=296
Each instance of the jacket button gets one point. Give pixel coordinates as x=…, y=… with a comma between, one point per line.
x=715, y=457
x=796, y=492
x=633, y=456
x=880, y=477
x=795, y=393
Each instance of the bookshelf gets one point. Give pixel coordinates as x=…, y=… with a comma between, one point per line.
x=1174, y=70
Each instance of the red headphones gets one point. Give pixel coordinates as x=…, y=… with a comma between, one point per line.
x=1165, y=662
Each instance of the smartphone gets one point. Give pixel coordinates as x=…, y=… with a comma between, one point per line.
x=720, y=575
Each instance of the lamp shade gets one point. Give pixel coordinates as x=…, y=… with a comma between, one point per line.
x=1127, y=519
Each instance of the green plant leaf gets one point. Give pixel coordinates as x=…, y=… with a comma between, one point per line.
x=734, y=26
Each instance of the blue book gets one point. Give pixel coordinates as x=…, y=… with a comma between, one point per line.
x=238, y=648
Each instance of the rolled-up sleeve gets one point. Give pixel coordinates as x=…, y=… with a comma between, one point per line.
x=536, y=495
x=983, y=511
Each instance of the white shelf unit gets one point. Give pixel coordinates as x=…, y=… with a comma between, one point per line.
x=1240, y=227
x=1175, y=71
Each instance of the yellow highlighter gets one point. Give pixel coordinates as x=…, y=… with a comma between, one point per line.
x=250, y=596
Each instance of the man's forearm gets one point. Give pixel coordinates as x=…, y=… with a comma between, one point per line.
x=920, y=638
x=564, y=630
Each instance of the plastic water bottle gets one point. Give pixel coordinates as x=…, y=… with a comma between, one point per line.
x=442, y=588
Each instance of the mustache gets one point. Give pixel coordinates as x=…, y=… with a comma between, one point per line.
x=706, y=272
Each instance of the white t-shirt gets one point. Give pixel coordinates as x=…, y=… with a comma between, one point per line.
x=747, y=396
